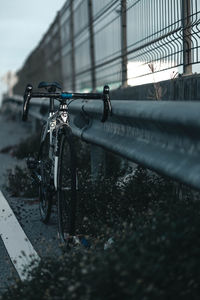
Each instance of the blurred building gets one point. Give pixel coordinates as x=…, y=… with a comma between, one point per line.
x=10, y=79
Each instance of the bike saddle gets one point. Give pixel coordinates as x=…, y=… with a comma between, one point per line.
x=50, y=86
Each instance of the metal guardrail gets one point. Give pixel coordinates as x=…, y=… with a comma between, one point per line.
x=161, y=135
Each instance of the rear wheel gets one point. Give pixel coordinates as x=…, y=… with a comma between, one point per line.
x=66, y=189
x=45, y=187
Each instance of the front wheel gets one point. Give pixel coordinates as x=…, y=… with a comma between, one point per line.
x=66, y=189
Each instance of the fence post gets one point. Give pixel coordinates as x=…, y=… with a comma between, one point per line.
x=73, y=74
x=92, y=49
x=97, y=162
x=60, y=48
x=124, y=42
x=187, y=42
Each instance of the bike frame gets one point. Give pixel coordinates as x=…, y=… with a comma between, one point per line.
x=55, y=122
x=60, y=118
x=50, y=165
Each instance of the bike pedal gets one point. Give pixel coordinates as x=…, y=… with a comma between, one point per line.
x=32, y=163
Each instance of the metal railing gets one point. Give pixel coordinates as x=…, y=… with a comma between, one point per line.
x=161, y=135
x=120, y=43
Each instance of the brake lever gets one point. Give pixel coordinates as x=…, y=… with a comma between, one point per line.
x=107, y=108
x=27, y=98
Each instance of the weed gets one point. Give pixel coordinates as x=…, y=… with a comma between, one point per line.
x=27, y=147
x=154, y=254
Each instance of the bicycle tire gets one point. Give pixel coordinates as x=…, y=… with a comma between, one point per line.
x=67, y=196
x=45, y=193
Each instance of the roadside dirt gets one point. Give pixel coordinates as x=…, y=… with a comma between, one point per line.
x=43, y=237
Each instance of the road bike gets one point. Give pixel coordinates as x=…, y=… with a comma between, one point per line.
x=55, y=166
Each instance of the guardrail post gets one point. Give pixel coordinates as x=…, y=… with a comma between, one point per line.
x=124, y=42
x=73, y=74
x=35, y=125
x=97, y=162
x=187, y=42
x=92, y=49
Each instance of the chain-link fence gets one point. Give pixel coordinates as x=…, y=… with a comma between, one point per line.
x=116, y=42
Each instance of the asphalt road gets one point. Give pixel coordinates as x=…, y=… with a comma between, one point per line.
x=43, y=237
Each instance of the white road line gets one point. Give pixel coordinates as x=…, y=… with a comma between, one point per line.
x=18, y=246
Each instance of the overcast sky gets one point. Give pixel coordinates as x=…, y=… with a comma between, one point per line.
x=22, y=25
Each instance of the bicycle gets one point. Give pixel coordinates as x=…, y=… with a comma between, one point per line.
x=55, y=166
